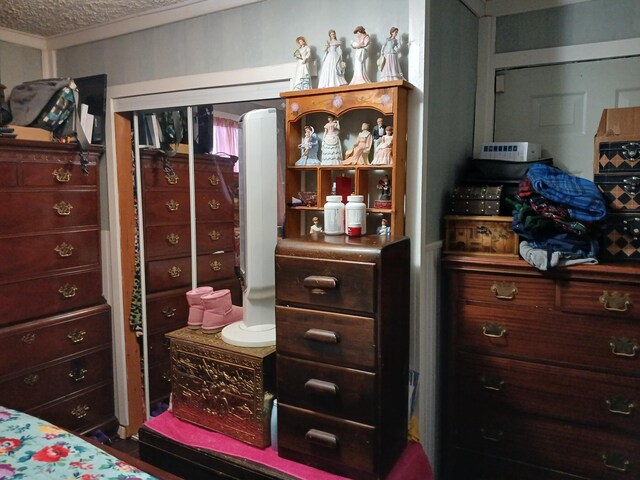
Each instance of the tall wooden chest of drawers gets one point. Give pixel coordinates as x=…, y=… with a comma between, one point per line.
x=55, y=327
x=342, y=343
x=542, y=370
x=168, y=246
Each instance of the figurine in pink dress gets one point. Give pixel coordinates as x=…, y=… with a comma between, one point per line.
x=382, y=155
x=359, y=154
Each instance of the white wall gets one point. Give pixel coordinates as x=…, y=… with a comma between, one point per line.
x=18, y=63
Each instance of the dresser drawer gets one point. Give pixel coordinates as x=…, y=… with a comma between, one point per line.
x=158, y=346
x=38, y=254
x=168, y=274
x=26, y=212
x=214, y=205
x=214, y=236
x=159, y=381
x=81, y=413
x=595, y=343
x=49, y=295
x=509, y=290
x=216, y=266
x=213, y=175
x=601, y=299
x=337, y=391
x=334, y=285
x=38, y=386
x=44, y=340
x=154, y=175
x=321, y=440
x=573, y=448
x=334, y=338
x=163, y=207
x=167, y=241
x=8, y=174
x=167, y=310
x=598, y=399
x=61, y=174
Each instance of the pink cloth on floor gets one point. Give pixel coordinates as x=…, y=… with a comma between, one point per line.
x=412, y=465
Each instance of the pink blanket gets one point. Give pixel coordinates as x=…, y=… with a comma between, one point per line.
x=412, y=465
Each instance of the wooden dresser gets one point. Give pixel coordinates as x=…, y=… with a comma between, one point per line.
x=55, y=327
x=167, y=241
x=542, y=374
x=342, y=343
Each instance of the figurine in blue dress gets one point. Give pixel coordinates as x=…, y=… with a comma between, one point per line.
x=308, y=148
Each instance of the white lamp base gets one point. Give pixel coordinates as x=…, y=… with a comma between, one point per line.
x=242, y=335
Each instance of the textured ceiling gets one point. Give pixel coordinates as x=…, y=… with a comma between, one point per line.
x=53, y=17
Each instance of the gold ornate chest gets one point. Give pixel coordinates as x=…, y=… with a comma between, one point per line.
x=222, y=387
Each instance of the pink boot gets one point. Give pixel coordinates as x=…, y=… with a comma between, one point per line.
x=196, y=307
x=219, y=311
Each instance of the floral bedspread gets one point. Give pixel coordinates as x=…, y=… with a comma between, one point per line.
x=32, y=449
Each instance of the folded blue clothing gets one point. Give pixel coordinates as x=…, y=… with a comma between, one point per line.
x=581, y=197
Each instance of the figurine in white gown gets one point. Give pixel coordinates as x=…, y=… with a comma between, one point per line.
x=390, y=67
x=359, y=45
x=331, y=151
x=332, y=69
x=302, y=78
x=382, y=155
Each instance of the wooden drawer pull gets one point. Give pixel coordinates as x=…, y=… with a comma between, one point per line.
x=318, y=284
x=616, y=301
x=493, y=330
x=504, y=290
x=492, y=383
x=624, y=347
x=320, y=386
x=616, y=461
x=322, y=336
x=321, y=438
x=620, y=405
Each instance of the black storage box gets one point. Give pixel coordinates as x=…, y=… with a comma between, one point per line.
x=621, y=238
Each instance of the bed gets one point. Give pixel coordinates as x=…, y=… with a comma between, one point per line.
x=31, y=448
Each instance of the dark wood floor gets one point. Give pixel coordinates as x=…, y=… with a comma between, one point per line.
x=127, y=445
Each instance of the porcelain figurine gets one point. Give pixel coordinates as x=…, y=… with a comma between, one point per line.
x=302, y=78
x=332, y=69
x=308, y=148
x=359, y=154
x=359, y=45
x=382, y=155
x=331, y=150
x=388, y=61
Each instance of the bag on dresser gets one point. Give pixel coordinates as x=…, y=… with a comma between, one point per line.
x=5, y=113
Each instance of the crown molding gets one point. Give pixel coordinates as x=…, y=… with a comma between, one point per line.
x=24, y=39
x=497, y=8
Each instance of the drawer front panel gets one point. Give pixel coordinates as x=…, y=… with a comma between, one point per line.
x=566, y=447
x=82, y=413
x=330, y=443
x=168, y=274
x=33, y=343
x=48, y=210
x=214, y=237
x=214, y=177
x=216, y=267
x=166, y=207
x=602, y=299
x=158, y=346
x=39, y=254
x=57, y=174
x=334, y=338
x=214, y=206
x=340, y=392
x=60, y=293
x=326, y=284
x=576, y=340
x=37, y=387
x=166, y=310
x=154, y=175
x=159, y=381
x=167, y=241
x=8, y=174
x=598, y=399
x=506, y=290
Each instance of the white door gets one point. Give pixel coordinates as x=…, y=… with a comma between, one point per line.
x=559, y=106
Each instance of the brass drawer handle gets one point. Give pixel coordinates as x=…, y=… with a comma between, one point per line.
x=64, y=249
x=174, y=272
x=63, y=209
x=80, y=411
x=31, y=379
x=28, y=338
x=491, y=435
x=172, y=239
x=620, y=405
x=214, y=180
x=169, y=312
x=493, y=330
x=492, y=383
x=616, y=301
x=616, y=461
x=68, y=291
x=321, y=438
x=216, y=266
x=504, y=290
x=61, y=175
x=319, y=284
x=322, y=387
x=214, y=204
x=322, y=336
x=214, y=235
x=172, y=205
x=624, y=347
x=172, y=178
x=76, y=336
x=78, y=374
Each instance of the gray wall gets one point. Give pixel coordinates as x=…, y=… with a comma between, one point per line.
x=452, y=83
x=18, y=64
x=250, y=36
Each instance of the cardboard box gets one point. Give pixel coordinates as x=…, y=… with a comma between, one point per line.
x=477, y=235
x=617, y=141
x=512, y=151
x=30, y=133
